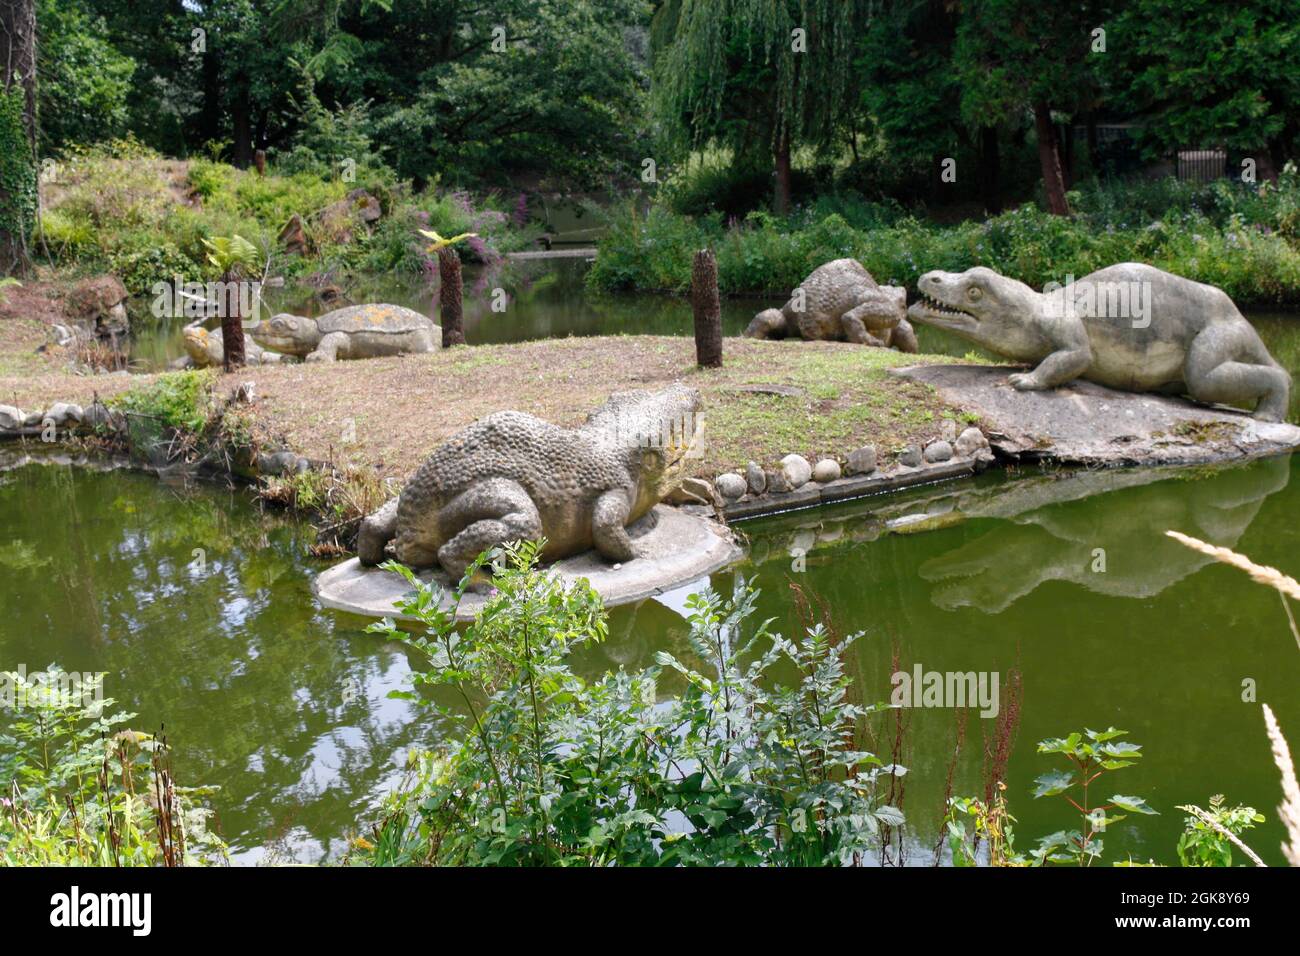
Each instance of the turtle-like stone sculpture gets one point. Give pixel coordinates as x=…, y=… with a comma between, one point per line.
x=1129, y=326
x=511, y=476
x=840, y=301
x=354, y=332
x=206, y=348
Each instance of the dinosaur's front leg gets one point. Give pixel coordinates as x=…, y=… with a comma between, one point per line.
x=608, y=526
x=1057, y=369
x=327, y=350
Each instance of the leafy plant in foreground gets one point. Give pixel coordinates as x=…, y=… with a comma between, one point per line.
x=546, y=768
x=1206, y=840
x=1100, y=753
x=77, y=792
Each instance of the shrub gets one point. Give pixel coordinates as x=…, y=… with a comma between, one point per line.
x=80, y=792
x=547, y=769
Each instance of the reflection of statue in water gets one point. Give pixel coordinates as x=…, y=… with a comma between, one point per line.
x=1052, y=534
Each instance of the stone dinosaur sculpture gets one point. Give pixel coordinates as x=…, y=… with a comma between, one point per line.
x=206, y=349
x=511, y=476
x=840, y=301
x=1128, y=326
x=354, y=332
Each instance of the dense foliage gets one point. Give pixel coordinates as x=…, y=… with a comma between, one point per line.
x=80, y=790
x=1240, y=237
x=544, y=768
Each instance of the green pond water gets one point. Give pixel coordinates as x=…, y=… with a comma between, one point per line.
x=197, y=604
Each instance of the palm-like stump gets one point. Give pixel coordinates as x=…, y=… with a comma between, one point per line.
x=708, y=310
x=450, y=298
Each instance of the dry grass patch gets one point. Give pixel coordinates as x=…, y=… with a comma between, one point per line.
x=770, y=398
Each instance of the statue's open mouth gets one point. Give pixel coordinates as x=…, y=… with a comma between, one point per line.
x=930, y=311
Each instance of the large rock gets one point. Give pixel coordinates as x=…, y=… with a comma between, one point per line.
x=796, y=470
x=755, y=478
x=862, y=461
x=970, y=443
x=730, y=485
x=11, y=418
x=1085, y=423
x=937, y=451
x=826, y=470
x=99, y=305
x=673, y=550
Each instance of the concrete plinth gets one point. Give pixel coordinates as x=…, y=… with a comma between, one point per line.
x=673, y=549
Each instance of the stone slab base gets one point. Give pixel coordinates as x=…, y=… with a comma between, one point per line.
x=673, y=549
x=1084, y=423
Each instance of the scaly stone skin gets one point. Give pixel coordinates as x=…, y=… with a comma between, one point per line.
x=206, y=349
x=511, y=476
x=354, y=332
x=841, y=302
x=1189, y=337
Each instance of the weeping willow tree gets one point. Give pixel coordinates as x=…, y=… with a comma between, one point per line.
x=757, y=75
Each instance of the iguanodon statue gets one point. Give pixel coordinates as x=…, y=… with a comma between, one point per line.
x=1128, y=326
x=511, y=476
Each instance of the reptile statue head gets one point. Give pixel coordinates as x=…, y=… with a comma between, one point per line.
x=983, y=307
x=289, y=334
x=657, y=431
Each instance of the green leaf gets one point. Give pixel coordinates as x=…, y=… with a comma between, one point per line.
x=1050, y=784
x=1132, y=804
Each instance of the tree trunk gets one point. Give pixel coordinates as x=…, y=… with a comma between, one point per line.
x=1094, y=167
x=1065, y=137
x=232, y=327
x=781, y=197
x=243, y=129
x=210, y=113
x=18, y=181
x=1049, y=158
x=708, y=310
x=990, y=164
x=450, y=298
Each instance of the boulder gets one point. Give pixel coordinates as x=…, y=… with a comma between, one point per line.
x=277, y=463
x=365, y=206
x=862, y=461
x=938, y=451
x=294, y=236
x=96, y=416
x=826, y=470
x=796, y=470
x=692, y=491
x=99, y=304
x=777, y=483
x=731, y=486
x=971, y=442
x=755, y=478
x=11, y=419
x=911, y=456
